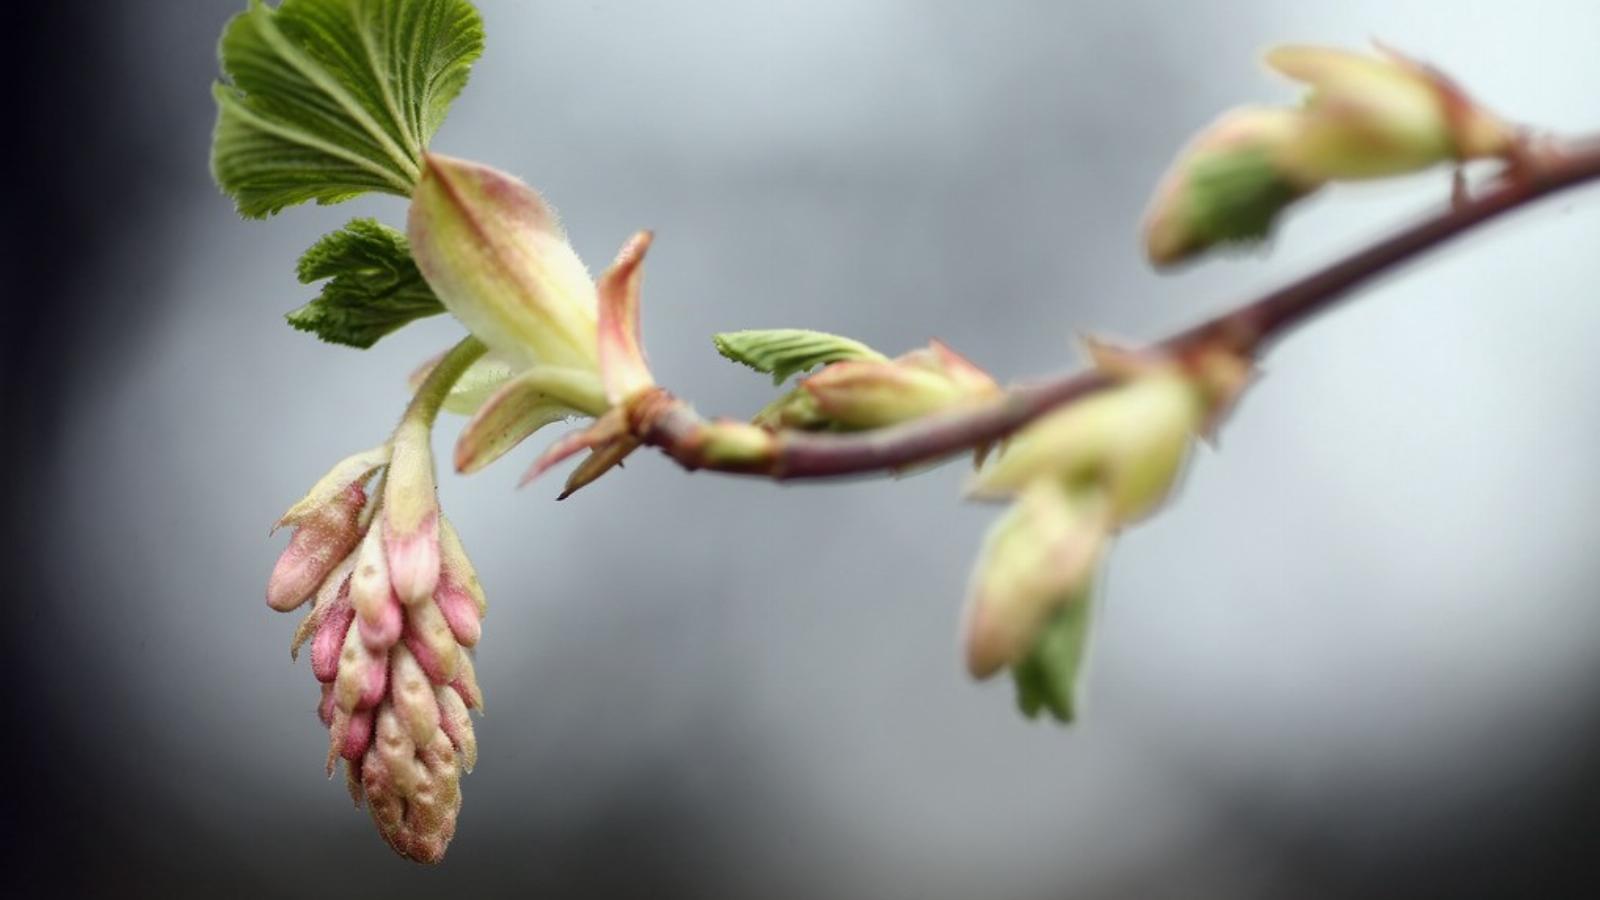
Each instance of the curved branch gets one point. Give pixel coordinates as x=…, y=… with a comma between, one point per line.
x=1246, y=330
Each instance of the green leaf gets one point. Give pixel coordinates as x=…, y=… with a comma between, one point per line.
x=373, y=286
x=782, y=352
x=326, y=99
x=1047, y=679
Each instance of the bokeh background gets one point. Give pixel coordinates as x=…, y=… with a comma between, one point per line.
x=1359, y=656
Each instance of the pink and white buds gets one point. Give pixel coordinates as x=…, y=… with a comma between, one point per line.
x=397, y=679
x=316, y=548
x=411, y=513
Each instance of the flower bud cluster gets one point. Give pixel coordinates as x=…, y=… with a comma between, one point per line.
x=1074, y=479
x=395, y=608
x=1364, y=117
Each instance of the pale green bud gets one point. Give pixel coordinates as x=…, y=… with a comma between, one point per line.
x=497, y=257
x=1374, y=116
x=861, y=394
x=1039, y=556
x=1129, y=441
x=1227, y=186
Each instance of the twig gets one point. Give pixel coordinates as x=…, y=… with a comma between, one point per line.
x=679, y=432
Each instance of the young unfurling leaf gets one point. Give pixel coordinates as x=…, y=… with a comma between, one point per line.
x=781, y=352
x=327, y=99
x=1047, y=680
x=373, y=287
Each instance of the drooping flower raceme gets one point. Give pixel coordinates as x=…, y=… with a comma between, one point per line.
x=396, y=607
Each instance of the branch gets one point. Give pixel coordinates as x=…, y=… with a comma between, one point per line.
x=679, y=432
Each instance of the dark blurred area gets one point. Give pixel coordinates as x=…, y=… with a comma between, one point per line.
x=1358, y=658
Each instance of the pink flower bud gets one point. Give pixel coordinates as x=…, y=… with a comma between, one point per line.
x=382, y=633
x=324, y=537
x=329, y=640
x=411, y=515
x=466, y=684
x=454, y=560
x=370, y=588
x=457, y=725
x=335, y=587
x=427, y=635
x=363, y=674
x=459, y=612
x=412, y=696
x=349, y=735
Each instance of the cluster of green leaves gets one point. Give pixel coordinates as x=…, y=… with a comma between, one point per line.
x=781, y=352
x=323, y=100
x=373, y=286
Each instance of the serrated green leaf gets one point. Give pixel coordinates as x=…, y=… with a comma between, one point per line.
x=326, y=99
x=1047, y=680
x=373, y=286
x=782, y=352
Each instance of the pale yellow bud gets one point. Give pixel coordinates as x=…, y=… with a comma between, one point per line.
x=1374, y=116
x=1130, y=441
x=1037, y=557
x=861, y=394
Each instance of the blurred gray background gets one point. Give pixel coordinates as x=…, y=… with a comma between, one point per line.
x=1357, y=657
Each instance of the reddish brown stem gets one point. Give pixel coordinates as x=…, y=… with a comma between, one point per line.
x=1245, y=330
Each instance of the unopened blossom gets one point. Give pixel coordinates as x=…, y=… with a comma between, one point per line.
x=1370, y=116
x=560, y=343
x=1040, y=556
x=1364, y=116
x=1227, y=185
x=395, y=610
x=1074, y=479
x=861, y=394
x=1128, y=442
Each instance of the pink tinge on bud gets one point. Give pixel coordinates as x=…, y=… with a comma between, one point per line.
x=363, y=674
x=410, y=517
x=413, y=558
x=357, y=736
x=429, y=638
x=457, y=725
x=327, y=706
x=329, y=640
x=382, y=632
x=622, y=363
x=460, y=611
x=466, y=684
x=324, y=537
x=413, y=698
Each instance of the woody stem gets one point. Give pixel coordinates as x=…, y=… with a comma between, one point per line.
x=1246, y=330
